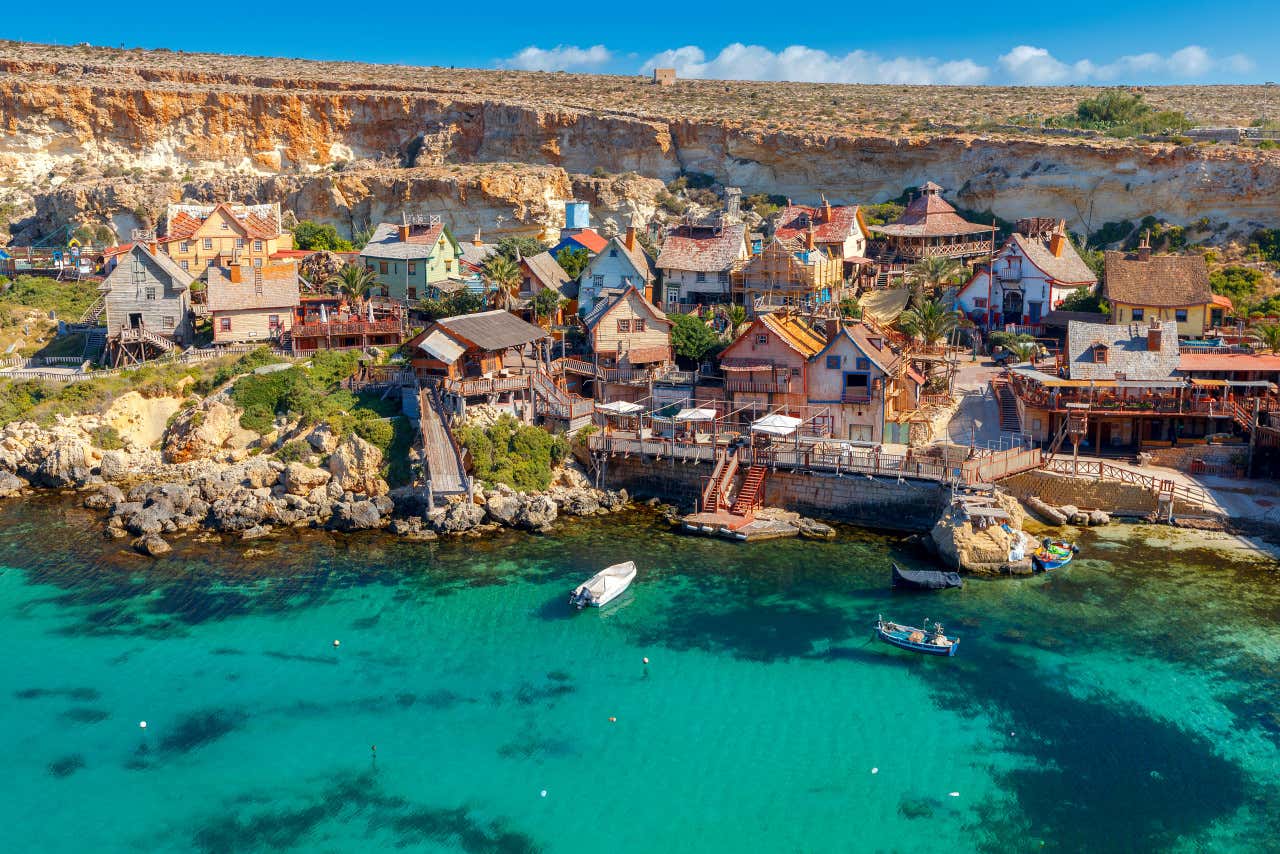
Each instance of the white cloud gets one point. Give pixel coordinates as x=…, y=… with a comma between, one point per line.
x=1036, y=66
x=811, y=65
x=559, y=58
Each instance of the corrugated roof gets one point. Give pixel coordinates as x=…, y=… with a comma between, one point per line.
x=794, y=332
x=701, y=250
x=1165, y=281
x=492, y=330
x=442, y=347
x=590, y=240
x=1127, y=351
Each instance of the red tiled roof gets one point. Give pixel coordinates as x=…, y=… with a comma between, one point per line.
x=1198, y=362
x=701, y=250
x=183, y=225
x=794, y=222
x=1223, y=302
x=113, y=251
x=593, y=242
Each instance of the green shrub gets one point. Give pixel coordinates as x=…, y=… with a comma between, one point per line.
x=516, y=454
x=293, y=452
x=66, y=299
x=107, y=438
x=1237, y=283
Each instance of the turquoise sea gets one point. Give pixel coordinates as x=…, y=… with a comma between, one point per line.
x=1128, y=703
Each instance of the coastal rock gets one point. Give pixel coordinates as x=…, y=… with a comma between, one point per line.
x=412, y=529
x=613, y=500
x=572, y=476
x=152, y=545
x=1099, y=517
x=299, y=479
x=502, y=508
x=580, y=502
x=114, y=465
x=409, y=502
x=457, y=518
x=239, y=510
x=984, y=550
x=107, y=496
x=814, y=530
x=1047, y=514
x=356, y=467
x=151, y=519
x=11, y=484
x=261, y=474
x=67, y=463
x=355, y=516
x=322, y=439
x=257, y=532
x=205, y=431
x=537, y=513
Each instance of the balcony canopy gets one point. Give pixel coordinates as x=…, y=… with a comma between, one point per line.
x=776, y=425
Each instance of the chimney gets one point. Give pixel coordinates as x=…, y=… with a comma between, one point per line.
x=631, y=238
x=478, y=241
x=404, y=232
x=808, y=239
x=1058, y=240
x=826, y=209
x=236, y=276
x=833, y=328
x=1153, y=338
x=1144, y=248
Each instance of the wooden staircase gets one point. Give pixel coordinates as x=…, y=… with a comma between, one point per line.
x=93, y=313
x=715, y=497
x=751, y=495
x=1008, y=403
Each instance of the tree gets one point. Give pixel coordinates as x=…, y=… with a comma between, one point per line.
x=353, y=281
x=1269, y=334
x=506, y=278
x=573, y=261
x=930, y=322
x=1084, y=299
x=1237, y=283
x=545, y=303
x=525, y=247
x=928, y=273
x=691, y=339
x=452, y=305
x=313, y=235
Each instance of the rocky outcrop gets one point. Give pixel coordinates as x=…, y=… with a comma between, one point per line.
x=203, y=432
x=971, y=543
x=356, y=467
x=299, y=479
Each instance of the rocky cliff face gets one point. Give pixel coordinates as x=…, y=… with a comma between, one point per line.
x=64, y=125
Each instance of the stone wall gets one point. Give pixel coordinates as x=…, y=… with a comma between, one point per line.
x=1124, y=499
x=857, y=499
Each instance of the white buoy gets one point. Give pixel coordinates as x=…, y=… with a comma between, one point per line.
x=337, y=643
x=875, y=770
x=954, y=794
x=646, y=659
x=142, y=724
x=544, y=793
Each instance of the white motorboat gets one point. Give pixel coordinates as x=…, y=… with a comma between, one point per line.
x=605, y=586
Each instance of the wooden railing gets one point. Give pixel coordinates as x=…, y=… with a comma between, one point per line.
x=486, y=385
x=995, y=465
x=352, y=327
x=762, y=387
x=1106, y=471
x=943, y=399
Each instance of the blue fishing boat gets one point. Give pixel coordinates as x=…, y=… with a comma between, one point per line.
x=929, y=641
x=1053, y=554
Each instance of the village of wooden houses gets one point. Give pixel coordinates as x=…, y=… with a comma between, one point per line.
x=909, y=341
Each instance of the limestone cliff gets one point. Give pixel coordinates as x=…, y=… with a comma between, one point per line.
x=350, y=144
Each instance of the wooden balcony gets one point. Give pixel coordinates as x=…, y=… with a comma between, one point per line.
x=760, y=386
x=344, y=328
x=861, y=398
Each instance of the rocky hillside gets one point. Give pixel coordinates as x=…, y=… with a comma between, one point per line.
x=349, y=143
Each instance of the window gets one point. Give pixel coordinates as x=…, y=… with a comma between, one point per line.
x=239, y=242
x=795, y=372
x=411, y=293
x=863, y=364
x=1099, y=354
x=762, y=338
x=1180, y=315
x=597, y=281
x=382, y=267
x=637, y=326
x=613, y=253
x=413, y=268
x=273, y=321
x=257, y=262
x=257, y=246
x=207, y=243
x=224, y=324
x=167, y=322
x=724, y=277
x=979, y=302
x=1139, y=313
x=700, y=277
x=150, y=293
x=833, y=363
x=184, y=264
x=225, y=226
x=624, y=325
x=448, y=266
x=184, y=246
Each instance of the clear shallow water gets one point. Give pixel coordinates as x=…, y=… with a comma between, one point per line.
x=1128, y=703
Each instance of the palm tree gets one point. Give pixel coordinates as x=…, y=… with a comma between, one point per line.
x=1269, y=335
x=928, y=273
x=734, y=316
x=505, y=275
x=354, y=282
x=929, y=322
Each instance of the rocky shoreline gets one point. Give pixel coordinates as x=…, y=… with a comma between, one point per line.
x=193, y=485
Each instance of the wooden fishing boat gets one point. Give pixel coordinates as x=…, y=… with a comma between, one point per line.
x=603, y=587
x=1053, y=554
x=924, y=579
x=928, y=641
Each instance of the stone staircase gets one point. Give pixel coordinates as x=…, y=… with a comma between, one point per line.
x=1008, y=403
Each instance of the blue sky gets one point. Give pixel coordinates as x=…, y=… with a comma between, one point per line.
x=1173, y=41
